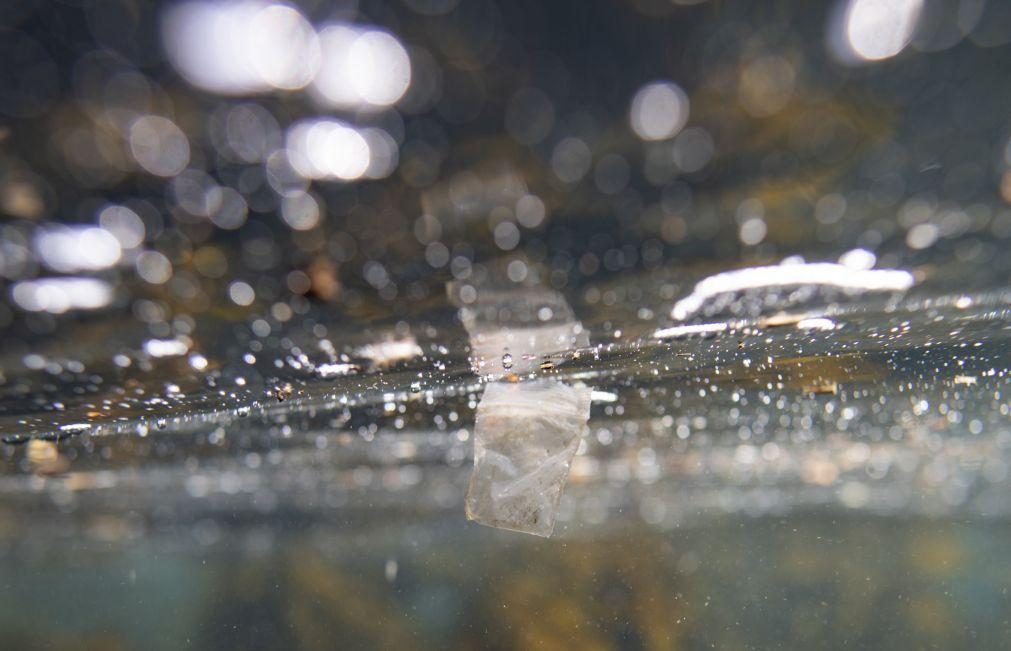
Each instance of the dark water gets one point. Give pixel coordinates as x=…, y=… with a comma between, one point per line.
x=256, y=324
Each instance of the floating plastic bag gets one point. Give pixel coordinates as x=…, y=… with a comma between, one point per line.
x=525, y=438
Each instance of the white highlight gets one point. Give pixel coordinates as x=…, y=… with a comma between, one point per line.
x=68, y=249
x=796, y=274
x=328, y=149
x=858, y=259
x=384, y=353
x=675, y=332
x=59, y=295
x=816, y=323
x=238, y=47
x=659, y=111
x=362, y=68
x=166, y=347
x=335, y=369
x=603, y=396
x=874, y=30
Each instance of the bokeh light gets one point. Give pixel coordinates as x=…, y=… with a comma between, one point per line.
x=659, y=110
x=873, y=30
x=159, y=145
x=328, y=149
x=361, y=68
x=73, y=248
x=59, y=295
x=239, y=47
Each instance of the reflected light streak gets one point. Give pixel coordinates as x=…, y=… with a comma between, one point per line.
x=816, y=323
x=59, y=295
x=68, y=249
x=166, y=347
x=335, y=369
x=388, y=352
x=784, y=275
x=675, y=332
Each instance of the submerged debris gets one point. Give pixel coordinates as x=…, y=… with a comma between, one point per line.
x=44, y=458
x=283, y=391
x=525, y=438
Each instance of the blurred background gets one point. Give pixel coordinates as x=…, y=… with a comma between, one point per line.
x=246, y=247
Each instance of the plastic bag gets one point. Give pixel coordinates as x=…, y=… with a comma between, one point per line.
x=525, y=438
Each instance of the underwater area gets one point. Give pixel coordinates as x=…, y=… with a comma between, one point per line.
x=459, y=324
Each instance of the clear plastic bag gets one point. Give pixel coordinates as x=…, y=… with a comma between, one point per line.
x=525, y=438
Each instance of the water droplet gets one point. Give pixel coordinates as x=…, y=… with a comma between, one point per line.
x=507, y=361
